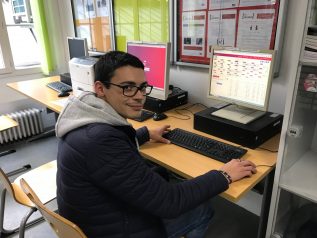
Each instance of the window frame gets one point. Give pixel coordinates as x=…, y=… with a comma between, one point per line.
x=7, y=57
x=5, y=46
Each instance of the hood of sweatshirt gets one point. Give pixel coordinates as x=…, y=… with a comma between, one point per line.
x=86, y=109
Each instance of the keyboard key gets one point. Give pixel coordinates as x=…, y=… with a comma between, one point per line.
x=214, y=149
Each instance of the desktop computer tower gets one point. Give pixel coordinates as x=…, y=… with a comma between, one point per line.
x=177, y=98
x=250, y=135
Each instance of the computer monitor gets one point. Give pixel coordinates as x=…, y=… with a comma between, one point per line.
x=156, y=60
x=244, y=80
x=77, y=47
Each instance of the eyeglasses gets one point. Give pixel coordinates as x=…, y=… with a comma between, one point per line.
x=132, y=90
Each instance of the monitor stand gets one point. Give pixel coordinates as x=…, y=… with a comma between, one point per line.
x=239, y=114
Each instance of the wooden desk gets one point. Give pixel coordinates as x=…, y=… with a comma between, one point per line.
x=37, y=90
x=6, y=123
x=42, y=177
x=182, y=161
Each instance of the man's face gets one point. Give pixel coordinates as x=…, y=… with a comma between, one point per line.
x=127, y=107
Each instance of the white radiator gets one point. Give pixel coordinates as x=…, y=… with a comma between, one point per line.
x=30, y=124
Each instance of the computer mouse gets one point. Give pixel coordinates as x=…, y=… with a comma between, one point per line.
x=63, y=94
x=159, y=116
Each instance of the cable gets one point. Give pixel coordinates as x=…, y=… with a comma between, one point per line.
x=188, y=107
x=187, y=117
x=184, y=119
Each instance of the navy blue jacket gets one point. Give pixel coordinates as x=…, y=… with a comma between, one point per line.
x=106, y=188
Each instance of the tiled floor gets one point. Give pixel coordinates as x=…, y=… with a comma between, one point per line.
x=230, y=221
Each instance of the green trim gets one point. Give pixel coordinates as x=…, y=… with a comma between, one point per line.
x=41, y=30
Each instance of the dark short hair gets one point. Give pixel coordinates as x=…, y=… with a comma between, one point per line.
x=108, y=63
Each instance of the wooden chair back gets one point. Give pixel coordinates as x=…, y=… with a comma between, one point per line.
x=16, y=192
x=62, y=227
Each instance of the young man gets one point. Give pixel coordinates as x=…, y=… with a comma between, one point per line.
x=103, y=183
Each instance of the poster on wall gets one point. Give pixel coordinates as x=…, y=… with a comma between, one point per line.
x=249, y=3
x=222, y=4
x=245, y=24
x=193, y=33
x=90, y=8
x=190, y=5
x=102, y=8
x=220, y=25
x=256, y=29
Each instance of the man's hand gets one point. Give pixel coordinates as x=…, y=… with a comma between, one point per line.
x=157, y=133
x=238, y=169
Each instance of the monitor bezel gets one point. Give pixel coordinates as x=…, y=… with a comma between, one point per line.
x=84, y=40
x=238, y=102
x=156, y=92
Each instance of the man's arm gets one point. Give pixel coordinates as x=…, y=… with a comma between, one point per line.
x=123, y=173
x=144, y=134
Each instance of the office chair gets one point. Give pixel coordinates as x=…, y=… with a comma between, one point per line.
x=62, y=227
x=45, y=177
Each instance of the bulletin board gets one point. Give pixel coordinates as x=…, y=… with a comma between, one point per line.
x=243, y=24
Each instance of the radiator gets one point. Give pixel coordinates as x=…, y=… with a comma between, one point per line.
x=30, y=124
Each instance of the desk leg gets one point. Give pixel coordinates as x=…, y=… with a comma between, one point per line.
x=3, y=153
x=266, y=200
x=20, y=170
x=55, y=113
x=16, y=171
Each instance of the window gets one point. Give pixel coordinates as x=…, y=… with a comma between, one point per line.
x=18, y=42
x=93, y=21
x=18, y=7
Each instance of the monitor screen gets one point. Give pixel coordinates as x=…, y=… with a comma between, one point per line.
x=156, y=60
x=77, y=47
x=242, y=77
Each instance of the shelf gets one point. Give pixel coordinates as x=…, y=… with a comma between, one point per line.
x=306, y=62
x=301, y=178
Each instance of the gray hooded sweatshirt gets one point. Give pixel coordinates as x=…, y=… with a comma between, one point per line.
x=84, y=110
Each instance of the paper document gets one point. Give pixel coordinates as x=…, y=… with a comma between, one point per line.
x=221, y=28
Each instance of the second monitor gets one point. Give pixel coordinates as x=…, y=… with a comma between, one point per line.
x=156, y=60
x=243, y=79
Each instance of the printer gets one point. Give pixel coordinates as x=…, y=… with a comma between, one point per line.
x=82, y=74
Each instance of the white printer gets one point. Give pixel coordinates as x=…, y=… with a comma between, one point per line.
x=82, y=74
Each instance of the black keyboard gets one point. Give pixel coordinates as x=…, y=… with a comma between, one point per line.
x=206, y=146
x=144, y=116
x=59, y=86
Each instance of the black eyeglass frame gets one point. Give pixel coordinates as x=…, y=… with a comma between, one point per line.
x=139, y=88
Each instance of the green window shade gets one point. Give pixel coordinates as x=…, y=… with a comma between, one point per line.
x=141, y=20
